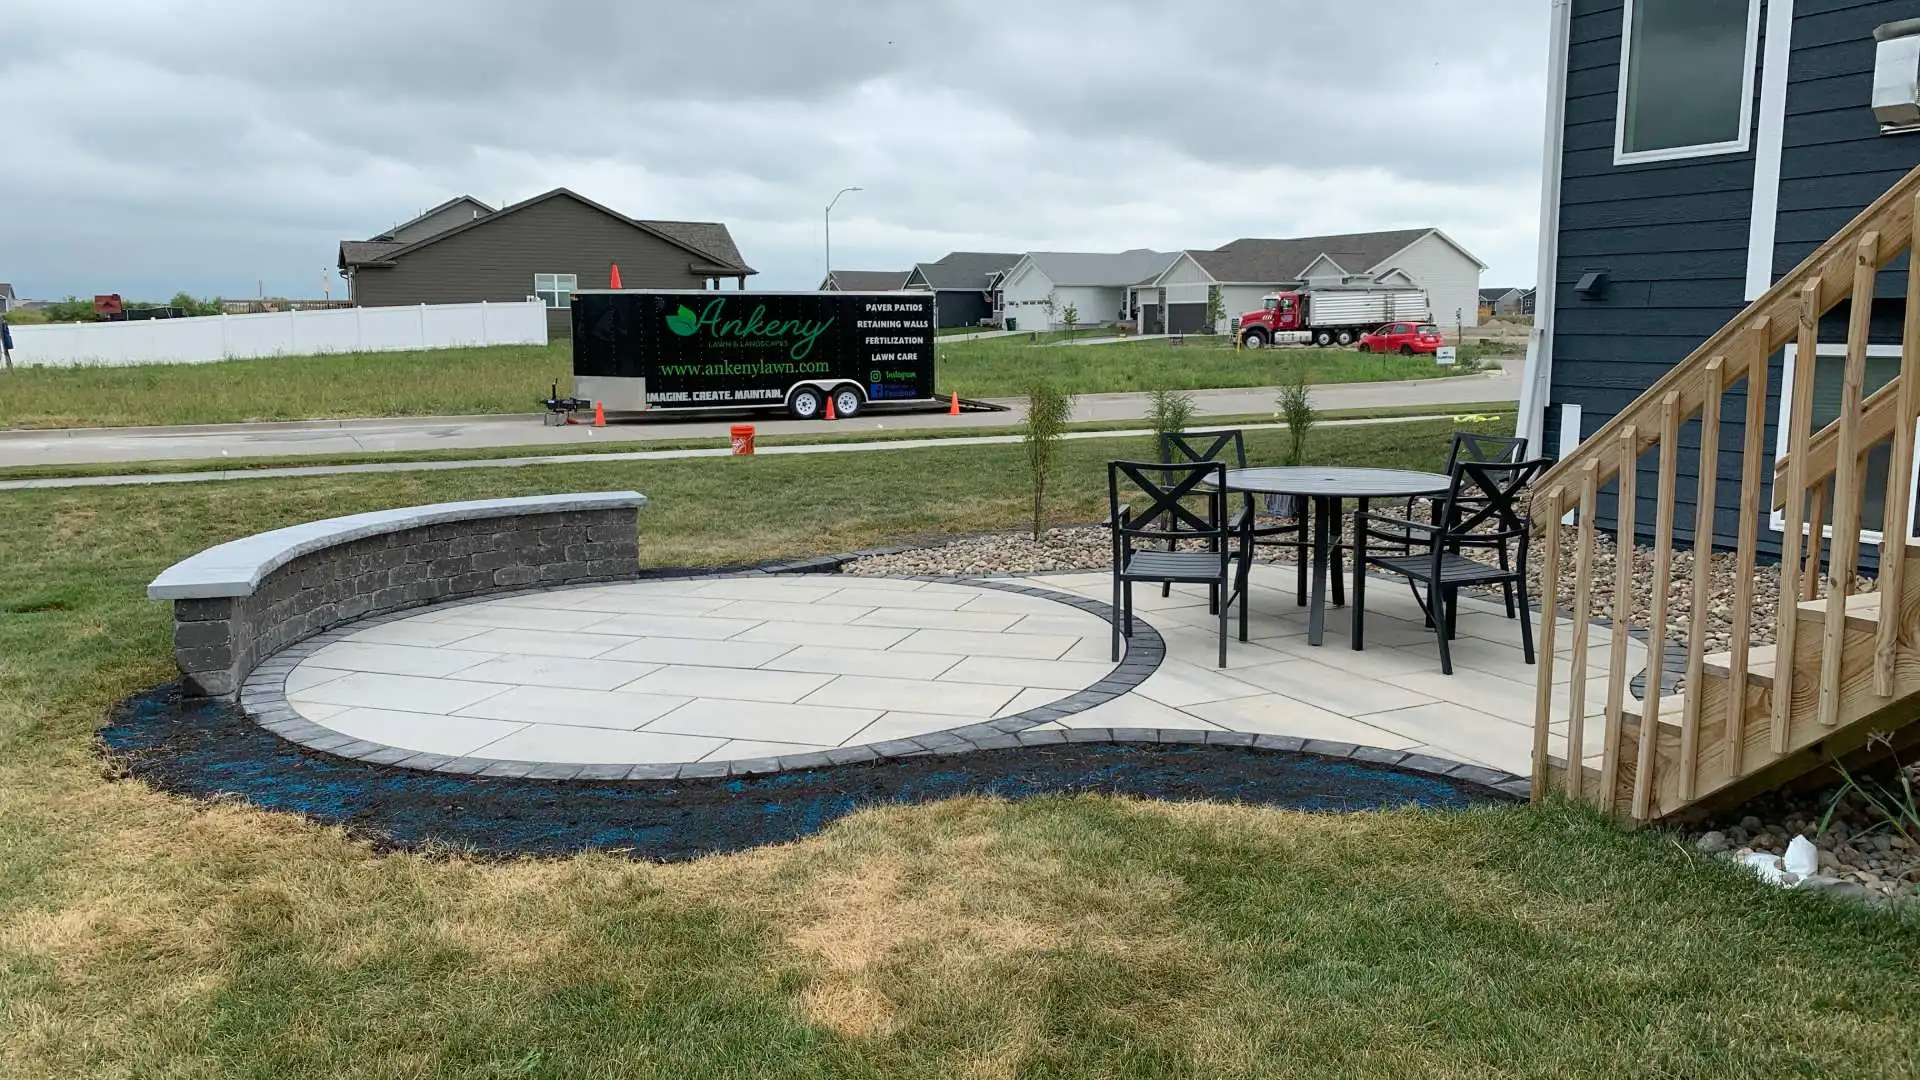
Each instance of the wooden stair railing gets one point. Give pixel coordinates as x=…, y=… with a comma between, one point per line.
x=1835, y=661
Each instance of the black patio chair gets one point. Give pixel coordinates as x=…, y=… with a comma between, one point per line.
x=1466, y=446
x=1217, y=542
x=1230, y=448
x=1482, y=509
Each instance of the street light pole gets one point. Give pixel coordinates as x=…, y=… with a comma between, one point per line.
x=829, y=231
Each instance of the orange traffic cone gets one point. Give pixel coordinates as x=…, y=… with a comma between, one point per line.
x=613, y=277
x=830, y=415
x=953, y=407
x=599, y=415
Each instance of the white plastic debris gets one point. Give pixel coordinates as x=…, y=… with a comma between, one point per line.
x=1802, y=857
x=1769, y=867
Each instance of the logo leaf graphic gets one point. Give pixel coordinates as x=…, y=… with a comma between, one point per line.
x=683, y=322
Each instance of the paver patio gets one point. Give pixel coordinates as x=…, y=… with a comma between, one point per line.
x=728, y=669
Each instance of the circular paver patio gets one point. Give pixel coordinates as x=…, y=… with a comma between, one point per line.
x=783, y=671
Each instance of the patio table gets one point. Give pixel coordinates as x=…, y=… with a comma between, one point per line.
x=1325, y=487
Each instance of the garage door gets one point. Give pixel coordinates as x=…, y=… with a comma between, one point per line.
x=1150, y=319
x=1186, y=318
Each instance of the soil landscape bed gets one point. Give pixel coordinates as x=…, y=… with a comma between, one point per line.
x=206, y=749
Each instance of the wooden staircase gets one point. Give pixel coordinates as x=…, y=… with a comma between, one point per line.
x=1747, y=719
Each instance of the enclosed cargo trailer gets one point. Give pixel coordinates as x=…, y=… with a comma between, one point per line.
x=639, y=350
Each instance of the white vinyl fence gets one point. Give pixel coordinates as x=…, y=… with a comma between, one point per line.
x=281, y=333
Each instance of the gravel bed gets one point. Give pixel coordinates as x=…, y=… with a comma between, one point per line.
x=1090, y=548
x=1861, y=856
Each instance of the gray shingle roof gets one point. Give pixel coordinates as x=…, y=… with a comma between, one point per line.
x=869, y=280
x=425, y=214
x=362, y=252
x=1255, y=260
x=706, y=238
x=1101, y=268
x=711, y=237
x=965, y=269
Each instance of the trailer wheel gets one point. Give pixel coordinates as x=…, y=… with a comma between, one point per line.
x=847, y=402
x=807, y=403
x=1345, y=337
x=1322, y=339
x=1254, y=339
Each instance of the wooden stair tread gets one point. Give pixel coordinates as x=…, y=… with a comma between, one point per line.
x=1863, y=611
x=1863, y=616
x=1760, y=664
x=1671, y=706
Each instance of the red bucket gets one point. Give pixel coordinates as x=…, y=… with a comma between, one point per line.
x=742, y=439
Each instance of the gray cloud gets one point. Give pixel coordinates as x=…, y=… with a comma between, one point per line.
x=208, y=145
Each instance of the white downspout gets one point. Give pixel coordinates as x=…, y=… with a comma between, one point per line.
x=1537, y=379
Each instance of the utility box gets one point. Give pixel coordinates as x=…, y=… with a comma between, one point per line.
x=1896, y=76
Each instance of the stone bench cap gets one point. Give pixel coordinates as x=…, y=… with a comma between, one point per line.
x=237, y=567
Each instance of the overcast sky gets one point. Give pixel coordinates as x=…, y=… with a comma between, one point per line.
x=206, y=145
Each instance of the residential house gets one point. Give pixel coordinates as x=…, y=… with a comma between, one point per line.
x=864, y=280
x=1726, y=251
x=1240, y=273
x=1660, y=223
x=8, y=301
x=1502, y=302
x=548, y=246
x=1036, y=290
x=962, y=283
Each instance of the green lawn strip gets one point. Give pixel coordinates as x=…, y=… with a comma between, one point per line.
x=1067, y=936
x=513, y=379
x=1500, y=409
x=1000, y=367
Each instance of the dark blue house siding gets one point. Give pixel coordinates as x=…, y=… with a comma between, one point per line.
x=1673, y=236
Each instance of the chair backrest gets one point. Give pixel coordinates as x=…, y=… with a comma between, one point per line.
x=1167, y=486
x=1186, y=446
x=1489, y=493
x=1473, y=446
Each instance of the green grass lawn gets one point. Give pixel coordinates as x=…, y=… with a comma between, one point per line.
x=1000, y=367
x=512, y=379
x=142, y=935
x=1487, y=410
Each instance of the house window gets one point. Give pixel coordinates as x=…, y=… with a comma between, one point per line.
x=555, y=290
x=1883, y=363
x=1686, y=78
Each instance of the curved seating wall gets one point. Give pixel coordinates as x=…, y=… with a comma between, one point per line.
x=238, y=603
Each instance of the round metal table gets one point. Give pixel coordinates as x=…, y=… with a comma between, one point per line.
x=1325, y=486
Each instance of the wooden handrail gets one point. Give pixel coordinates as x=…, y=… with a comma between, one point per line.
x=1891, y=215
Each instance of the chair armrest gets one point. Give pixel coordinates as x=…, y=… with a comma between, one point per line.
x=1361, y=521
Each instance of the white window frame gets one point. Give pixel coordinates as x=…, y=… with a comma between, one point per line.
x=554, y=280
x=1621, y=156
x=1777, y=519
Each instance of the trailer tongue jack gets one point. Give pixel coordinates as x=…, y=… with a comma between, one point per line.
x=560, y=410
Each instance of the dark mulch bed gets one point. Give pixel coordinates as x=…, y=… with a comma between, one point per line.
x=208, y=749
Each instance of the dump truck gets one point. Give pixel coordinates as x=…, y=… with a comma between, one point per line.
x=1332, y=316
x=637, y=350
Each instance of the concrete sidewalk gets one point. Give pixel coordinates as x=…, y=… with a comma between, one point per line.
x=311, y=437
